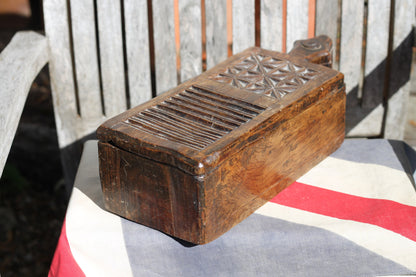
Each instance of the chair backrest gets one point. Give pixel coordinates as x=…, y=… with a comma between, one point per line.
x=110, y=55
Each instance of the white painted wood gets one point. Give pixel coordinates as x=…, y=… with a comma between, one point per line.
x=351, y=41
x=396, y=113
x=297, y=22
x=216, y=31
x=369, y=123
x=111, y=56
x=243, y=25
x=377, y=34
x=358, y=121
x=326, y=23
x=375, y=66
x=165, y=49
x=271, y=14
x=190, y=38
x=61, y=72
x=397, y=104
x=137, y=47
x=20, y=63
x=86, y=60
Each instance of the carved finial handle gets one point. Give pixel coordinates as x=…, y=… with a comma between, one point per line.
x=315, y=50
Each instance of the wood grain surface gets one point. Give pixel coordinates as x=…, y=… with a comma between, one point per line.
x=271, y=14
x=21, y=61
x=111, y=57
x=86, y=58
x=326, y=22
x=216, y=31
x=297, y=21
x=61, y=70
x=351, y=39
x=164, y=44
x=243, y=25
x=190, y=38
x=200, y=158
x=399, y=86
x=137, y=51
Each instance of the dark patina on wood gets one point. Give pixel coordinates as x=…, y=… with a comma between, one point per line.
x=203, y=156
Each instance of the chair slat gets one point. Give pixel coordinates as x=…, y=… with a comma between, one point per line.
x=137, y=51
x=376, y=51
x=350, y=64
x=297, y=22
x=190, y=38
x=86, y=62
x=243, y=25
x=351, y=42
x=375, y=68
x=399, y=87
x=326, y=23
x=367, y=113
x=60, y=67
x=111, y=56
x=164, y=43
x=271, y=24
x=216, y=31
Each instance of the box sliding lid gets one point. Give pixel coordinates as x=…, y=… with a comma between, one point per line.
x=198, y=159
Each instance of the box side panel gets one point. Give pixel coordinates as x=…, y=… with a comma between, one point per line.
x=156, y=195
x=257, y=173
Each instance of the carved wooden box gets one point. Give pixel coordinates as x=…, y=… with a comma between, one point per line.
x=200, y=158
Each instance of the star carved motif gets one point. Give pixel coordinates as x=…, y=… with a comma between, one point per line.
x=266, y=75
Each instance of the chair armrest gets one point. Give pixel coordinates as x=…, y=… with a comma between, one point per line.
x=20, y=63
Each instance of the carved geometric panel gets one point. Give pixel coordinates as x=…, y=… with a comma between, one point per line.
x=266, y=75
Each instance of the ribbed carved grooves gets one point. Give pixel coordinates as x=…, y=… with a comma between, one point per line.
x=195, y=117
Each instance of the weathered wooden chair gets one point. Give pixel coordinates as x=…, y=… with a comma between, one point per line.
x=107, y=56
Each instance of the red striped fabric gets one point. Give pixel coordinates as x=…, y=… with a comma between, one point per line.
x=63, y=263
x=387, y=214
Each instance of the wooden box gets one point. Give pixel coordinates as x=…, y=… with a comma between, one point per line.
x=203, y=156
